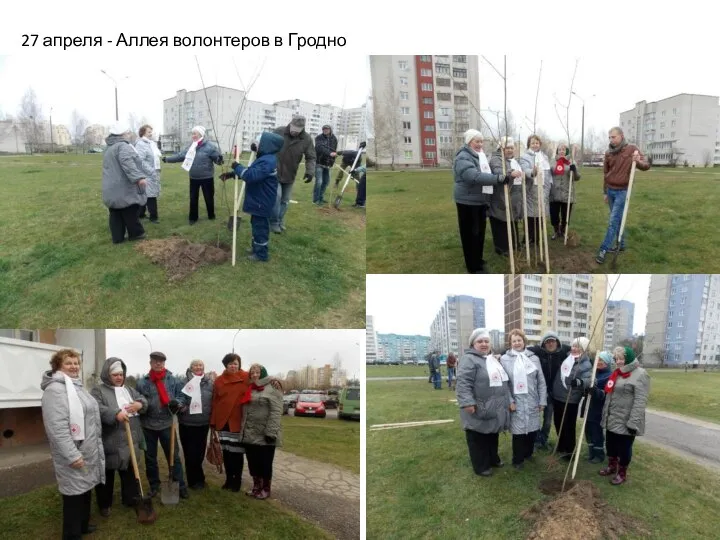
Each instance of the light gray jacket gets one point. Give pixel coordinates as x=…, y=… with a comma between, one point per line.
x=527, y=163
x=526, y=418
x=561, y=186
x=582, y=369
x=492, y=414
x=206, y=393
x=263, y=415
x=497, y=201
x=147, y=162
x=469, y=180
x=120, y=175
x=625, y=406
x=117, y=450
x=64, y=450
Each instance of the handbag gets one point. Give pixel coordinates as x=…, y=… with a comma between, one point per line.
x=214, y=452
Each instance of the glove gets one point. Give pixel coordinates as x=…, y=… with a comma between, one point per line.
x=233, y=165
x=632, y=431
x=253, y=147
x=573, y=168
x=221, y=160
x=227, y=176
x=269, y=439
x=308, y=178
x=577, y=383
x=174, y=406
x=507, y=179
x=164, y=159
x=363, y=144
x=587, y=391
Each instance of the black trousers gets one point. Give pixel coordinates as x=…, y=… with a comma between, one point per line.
x=208, y=190
x=483, y=450
x=619, y=446
x=566, y=437
x=194, y=443
x=234, y=463
x=76, y=515
x=128, y=488
x=472, y=221
x=534, y=230
x=122, y=219
x=558, y=213
x=151, y=208
x=500, y=234
x=260, y=460
x=523, y=447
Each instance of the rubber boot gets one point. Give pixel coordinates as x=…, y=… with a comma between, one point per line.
x=621, y=476
x=257, y=487
x=611, y=468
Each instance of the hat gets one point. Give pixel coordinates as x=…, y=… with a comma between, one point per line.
x=298, y=122
x=478, y=333
x=606, y=357
x=581, y=342
x=119, y=128
x=327, y=126
x=158, y=356
x=200, y=130
x=471, y=134
x=629, y=356
x=116, y=367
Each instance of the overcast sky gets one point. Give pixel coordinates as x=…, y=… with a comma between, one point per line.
x=408, y=304
x=77, y=82
x=278, y=350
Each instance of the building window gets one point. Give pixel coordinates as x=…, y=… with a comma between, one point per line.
x=426, y=87
x=424, y=72
x=428, y=100
x=460, y=73
x=442, y=69
x=428, y=114
x=444, y=96
x=672, y=134
x=404, y=96
x=404, y=110
x=674, y=111
x=662, y=125
x=426, y=58
x=408, y=154
x=461, y=100
x=403, y=81
x=460, y=85
x=662, y=113
x=429, y=155
x=402, y=65
x=444, y=125
x=408, y=140
x=442, y=82
x=672, y=124
x=406, y=125
x=429, y=127
x=460, y=59
x=429, y=142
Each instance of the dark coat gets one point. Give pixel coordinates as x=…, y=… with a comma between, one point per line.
x=206, y=155
x=206, y=393
x=158, y=418
x=289, y=158
x=597, y=397
x=324, y=146
x=261, y=177
x=469, y=180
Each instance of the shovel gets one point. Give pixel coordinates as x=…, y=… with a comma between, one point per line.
x=170, y=490
x=143, y=505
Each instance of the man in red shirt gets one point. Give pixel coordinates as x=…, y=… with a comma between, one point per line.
x=452, y=370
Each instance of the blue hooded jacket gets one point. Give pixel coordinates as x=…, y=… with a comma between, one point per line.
x=597, y=396
x=261, y=181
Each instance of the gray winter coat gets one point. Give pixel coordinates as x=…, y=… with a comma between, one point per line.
x=625, y=406
x=293, y=150
x=206, y=155
x=206, y=393
x=527, y=162
x=469, y=180
x=147, y=161
x=121, y=172
x=158, y=417
x=497, y=201
x=526, y=418
x=473, y=388
x=117, y=450
x=582, y=369
x=561, y=186
x=262, y=416
x=64, y=450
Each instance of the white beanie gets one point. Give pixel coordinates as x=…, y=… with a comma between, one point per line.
x=119, y=129
x=116, y=367
x=581, y=342
x=478, y=333
x=471, y=134
x=200, y=130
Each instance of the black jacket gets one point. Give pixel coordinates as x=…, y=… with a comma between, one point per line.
x=323, y=147
x=292, y=153
x=550, y=362
x=348, y=158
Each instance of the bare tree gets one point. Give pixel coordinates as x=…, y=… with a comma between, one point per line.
x=660, y=355
x=78, y=125
x=388, y=124
x=30, y=117
x=134, y=123
x=707, y=158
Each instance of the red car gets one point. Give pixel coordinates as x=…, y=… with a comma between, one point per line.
x=310, y=405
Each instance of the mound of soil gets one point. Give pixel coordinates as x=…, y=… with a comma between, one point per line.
x=579, y=512
x=180, y=258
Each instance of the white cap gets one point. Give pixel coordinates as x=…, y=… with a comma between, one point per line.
x=478, y=333
x=119, y=129
x=581, y=342
x=116, y=368
x=471, y=134
x=200, y=130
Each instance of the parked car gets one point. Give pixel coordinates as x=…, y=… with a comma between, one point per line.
x=290, y=400
x=286, y=407
x=332, y=400
x=349, y=403
x=310, y=405
x=95, y=150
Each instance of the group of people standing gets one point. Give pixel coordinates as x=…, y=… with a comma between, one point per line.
x=479, y=192
x=528, y=388
x=87, y=430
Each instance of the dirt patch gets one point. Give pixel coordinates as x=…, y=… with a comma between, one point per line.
x=579, y=512
x=573, y=239
x=180, y=258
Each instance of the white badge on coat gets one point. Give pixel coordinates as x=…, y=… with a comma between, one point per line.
x=487, y=190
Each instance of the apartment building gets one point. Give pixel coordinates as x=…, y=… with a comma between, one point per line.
x=371, y=344
x=497, y=340
x=423, y=106
x=619, y=320
x=568, y=304
x=402, y=348
x=456, y=319
x=678, y=128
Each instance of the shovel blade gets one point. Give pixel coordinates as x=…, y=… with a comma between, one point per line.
x=145, y=512
x=170, y=493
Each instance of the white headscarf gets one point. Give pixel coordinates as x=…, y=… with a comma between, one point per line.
x=192, y=389
x=77, y=414
x=124, y=400
x=190, y=155
x=522, y=367
x=496, y=372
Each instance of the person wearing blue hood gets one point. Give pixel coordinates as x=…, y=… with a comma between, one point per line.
x=551, y=353
x=261, y=186
x=593, y=428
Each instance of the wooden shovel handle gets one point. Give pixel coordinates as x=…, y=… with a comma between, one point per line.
x=171, y=461
x=133, y=458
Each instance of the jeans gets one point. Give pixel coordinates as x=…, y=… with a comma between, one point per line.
x=151, y=463
x=277, y=219
x=437, y=380
x=322, y=179
x=543, y=436
x=616, y=200
x=596, y=439
x=260, y=236
x=451, y=375
x=360, y=197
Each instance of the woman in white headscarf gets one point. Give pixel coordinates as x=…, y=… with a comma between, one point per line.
x=529, y=396
x=532, y=162
x=118, y=404
x=194, y=419
x=72, y=424
x=569, y=386
x=498, y=217
x=474, y=185
x=484, y=400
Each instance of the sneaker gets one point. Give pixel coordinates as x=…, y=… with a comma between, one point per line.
x=486, y=473
x=255, y=258
x=614, y=249
x=156, y=221
x=141, y=237
x=358, y=206
x=276, y=229
x=283, y=228
x=600, y=257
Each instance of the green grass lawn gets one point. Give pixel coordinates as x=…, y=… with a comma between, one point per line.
x=214, y=514
x=693, y=393
x=398, y=371
x=413, y=225
x=58, y=267
x=420, y=483
x=327, y=440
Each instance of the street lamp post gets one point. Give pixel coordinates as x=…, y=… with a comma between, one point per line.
x=117, y=116
x=233, y=342
x=582, y=134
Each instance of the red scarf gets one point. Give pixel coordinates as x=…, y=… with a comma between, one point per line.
x=560, y=165
x=157, y=378
x=610, y=386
